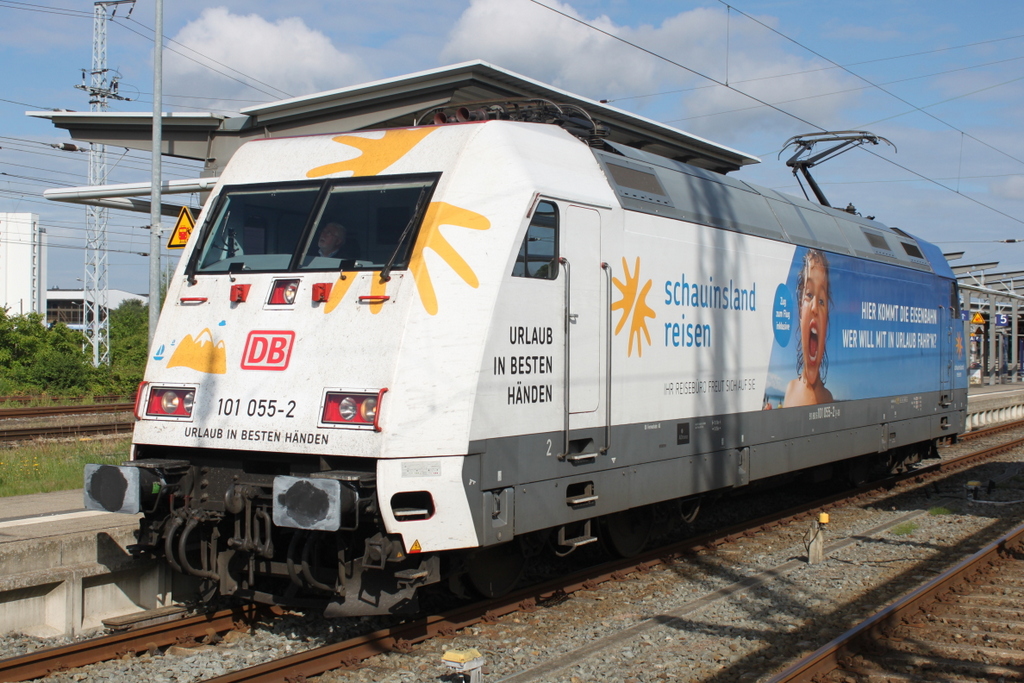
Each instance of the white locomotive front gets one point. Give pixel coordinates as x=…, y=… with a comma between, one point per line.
x=384, y=350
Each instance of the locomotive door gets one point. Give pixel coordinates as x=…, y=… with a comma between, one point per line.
x=581, y=247
x=946, y=350
x=947, y=345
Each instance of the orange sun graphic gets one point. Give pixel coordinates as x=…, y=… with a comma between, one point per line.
x=377, y=154
x=633, y=301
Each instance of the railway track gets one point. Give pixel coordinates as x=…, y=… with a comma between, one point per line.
x=964, y=625
x=204, y=627
x=21, y=400
x=25, y=434
x=47, y=411
x=401, y=638
x=989, y=431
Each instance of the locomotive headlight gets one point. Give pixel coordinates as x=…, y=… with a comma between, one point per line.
x=283, y=292
x=354, y=409
x=169, y=402
x=347, y=408
x=368, y=409
x=173, y=402
x=289, y=292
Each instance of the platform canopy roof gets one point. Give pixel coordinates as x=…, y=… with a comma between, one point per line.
x=390, y=103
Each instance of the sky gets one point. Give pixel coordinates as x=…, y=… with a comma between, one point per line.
x=942, y=80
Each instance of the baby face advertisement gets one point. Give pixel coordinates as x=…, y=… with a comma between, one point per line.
x=848, y=329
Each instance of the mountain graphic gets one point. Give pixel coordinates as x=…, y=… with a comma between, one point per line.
x=200, y=354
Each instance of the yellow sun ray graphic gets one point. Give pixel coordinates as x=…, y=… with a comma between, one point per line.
x=634, y=300
x=438, y=214
x=430, y=237
x=376, y=153
x=338, y=291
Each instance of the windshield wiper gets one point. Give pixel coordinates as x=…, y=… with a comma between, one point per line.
x=385, y=274
x=193, y=262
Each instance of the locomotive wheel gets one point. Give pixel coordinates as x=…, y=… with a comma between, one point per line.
x=625, y=533
x=494, y=571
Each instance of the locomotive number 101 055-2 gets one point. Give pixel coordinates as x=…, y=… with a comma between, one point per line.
x=262, y=407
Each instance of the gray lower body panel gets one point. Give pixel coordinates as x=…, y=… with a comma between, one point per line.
x=651, y=462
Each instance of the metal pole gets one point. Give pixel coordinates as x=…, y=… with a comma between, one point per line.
x=993, y=356
x=155, y=237
x=95, y=294
x=1013, y=340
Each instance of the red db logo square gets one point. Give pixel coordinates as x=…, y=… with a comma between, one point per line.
x=267, y=350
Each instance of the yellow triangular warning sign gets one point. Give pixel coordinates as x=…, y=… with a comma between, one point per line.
x=182, y=229
x=416, y=547
x=978, y=319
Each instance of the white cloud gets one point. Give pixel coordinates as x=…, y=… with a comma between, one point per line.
x=1009, y=188
x=286, y=54
x=542, y=44
x=526, y=38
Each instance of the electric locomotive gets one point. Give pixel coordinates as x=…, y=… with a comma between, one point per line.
x=392, y=356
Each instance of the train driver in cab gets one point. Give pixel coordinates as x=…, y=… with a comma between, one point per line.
x=333, y=242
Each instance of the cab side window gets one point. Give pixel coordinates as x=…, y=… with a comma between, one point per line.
x=538, y=255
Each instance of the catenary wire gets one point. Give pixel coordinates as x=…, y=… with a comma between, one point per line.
x=856, y=75
x=772, y=106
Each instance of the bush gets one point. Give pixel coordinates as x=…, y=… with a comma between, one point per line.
x=59, y=372
x=58, y=360
x=129, y=347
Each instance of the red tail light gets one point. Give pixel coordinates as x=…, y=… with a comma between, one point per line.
x=170, y=402
x=352, y=409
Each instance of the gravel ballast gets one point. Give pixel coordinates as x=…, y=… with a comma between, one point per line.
x=641, y=629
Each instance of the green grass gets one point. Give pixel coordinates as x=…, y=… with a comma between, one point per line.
x=941, y=510
x=40, y=468
x=905, y=529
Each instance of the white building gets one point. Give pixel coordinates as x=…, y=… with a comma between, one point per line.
x=22, y=263
x=68, y=305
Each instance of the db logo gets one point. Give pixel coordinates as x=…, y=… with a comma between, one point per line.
x=267, y=350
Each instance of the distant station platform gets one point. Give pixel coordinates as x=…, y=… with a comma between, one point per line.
x=983, y=389
x=63, y=569
x=991, y=403
x=42, y=515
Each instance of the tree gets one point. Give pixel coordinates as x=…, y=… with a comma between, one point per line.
x=36, y=358
x=129, y=345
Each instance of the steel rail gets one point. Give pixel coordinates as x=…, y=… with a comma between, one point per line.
x=51, y=660
x=43, y=411
x=829, y=656
x=988, y=431
x=348, y=654
x=67, y=400
x=68, y=430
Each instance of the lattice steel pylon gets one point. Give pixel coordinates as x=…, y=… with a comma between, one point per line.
x=100, y=89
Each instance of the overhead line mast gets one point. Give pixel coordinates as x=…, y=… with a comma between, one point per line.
x=100, y=88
